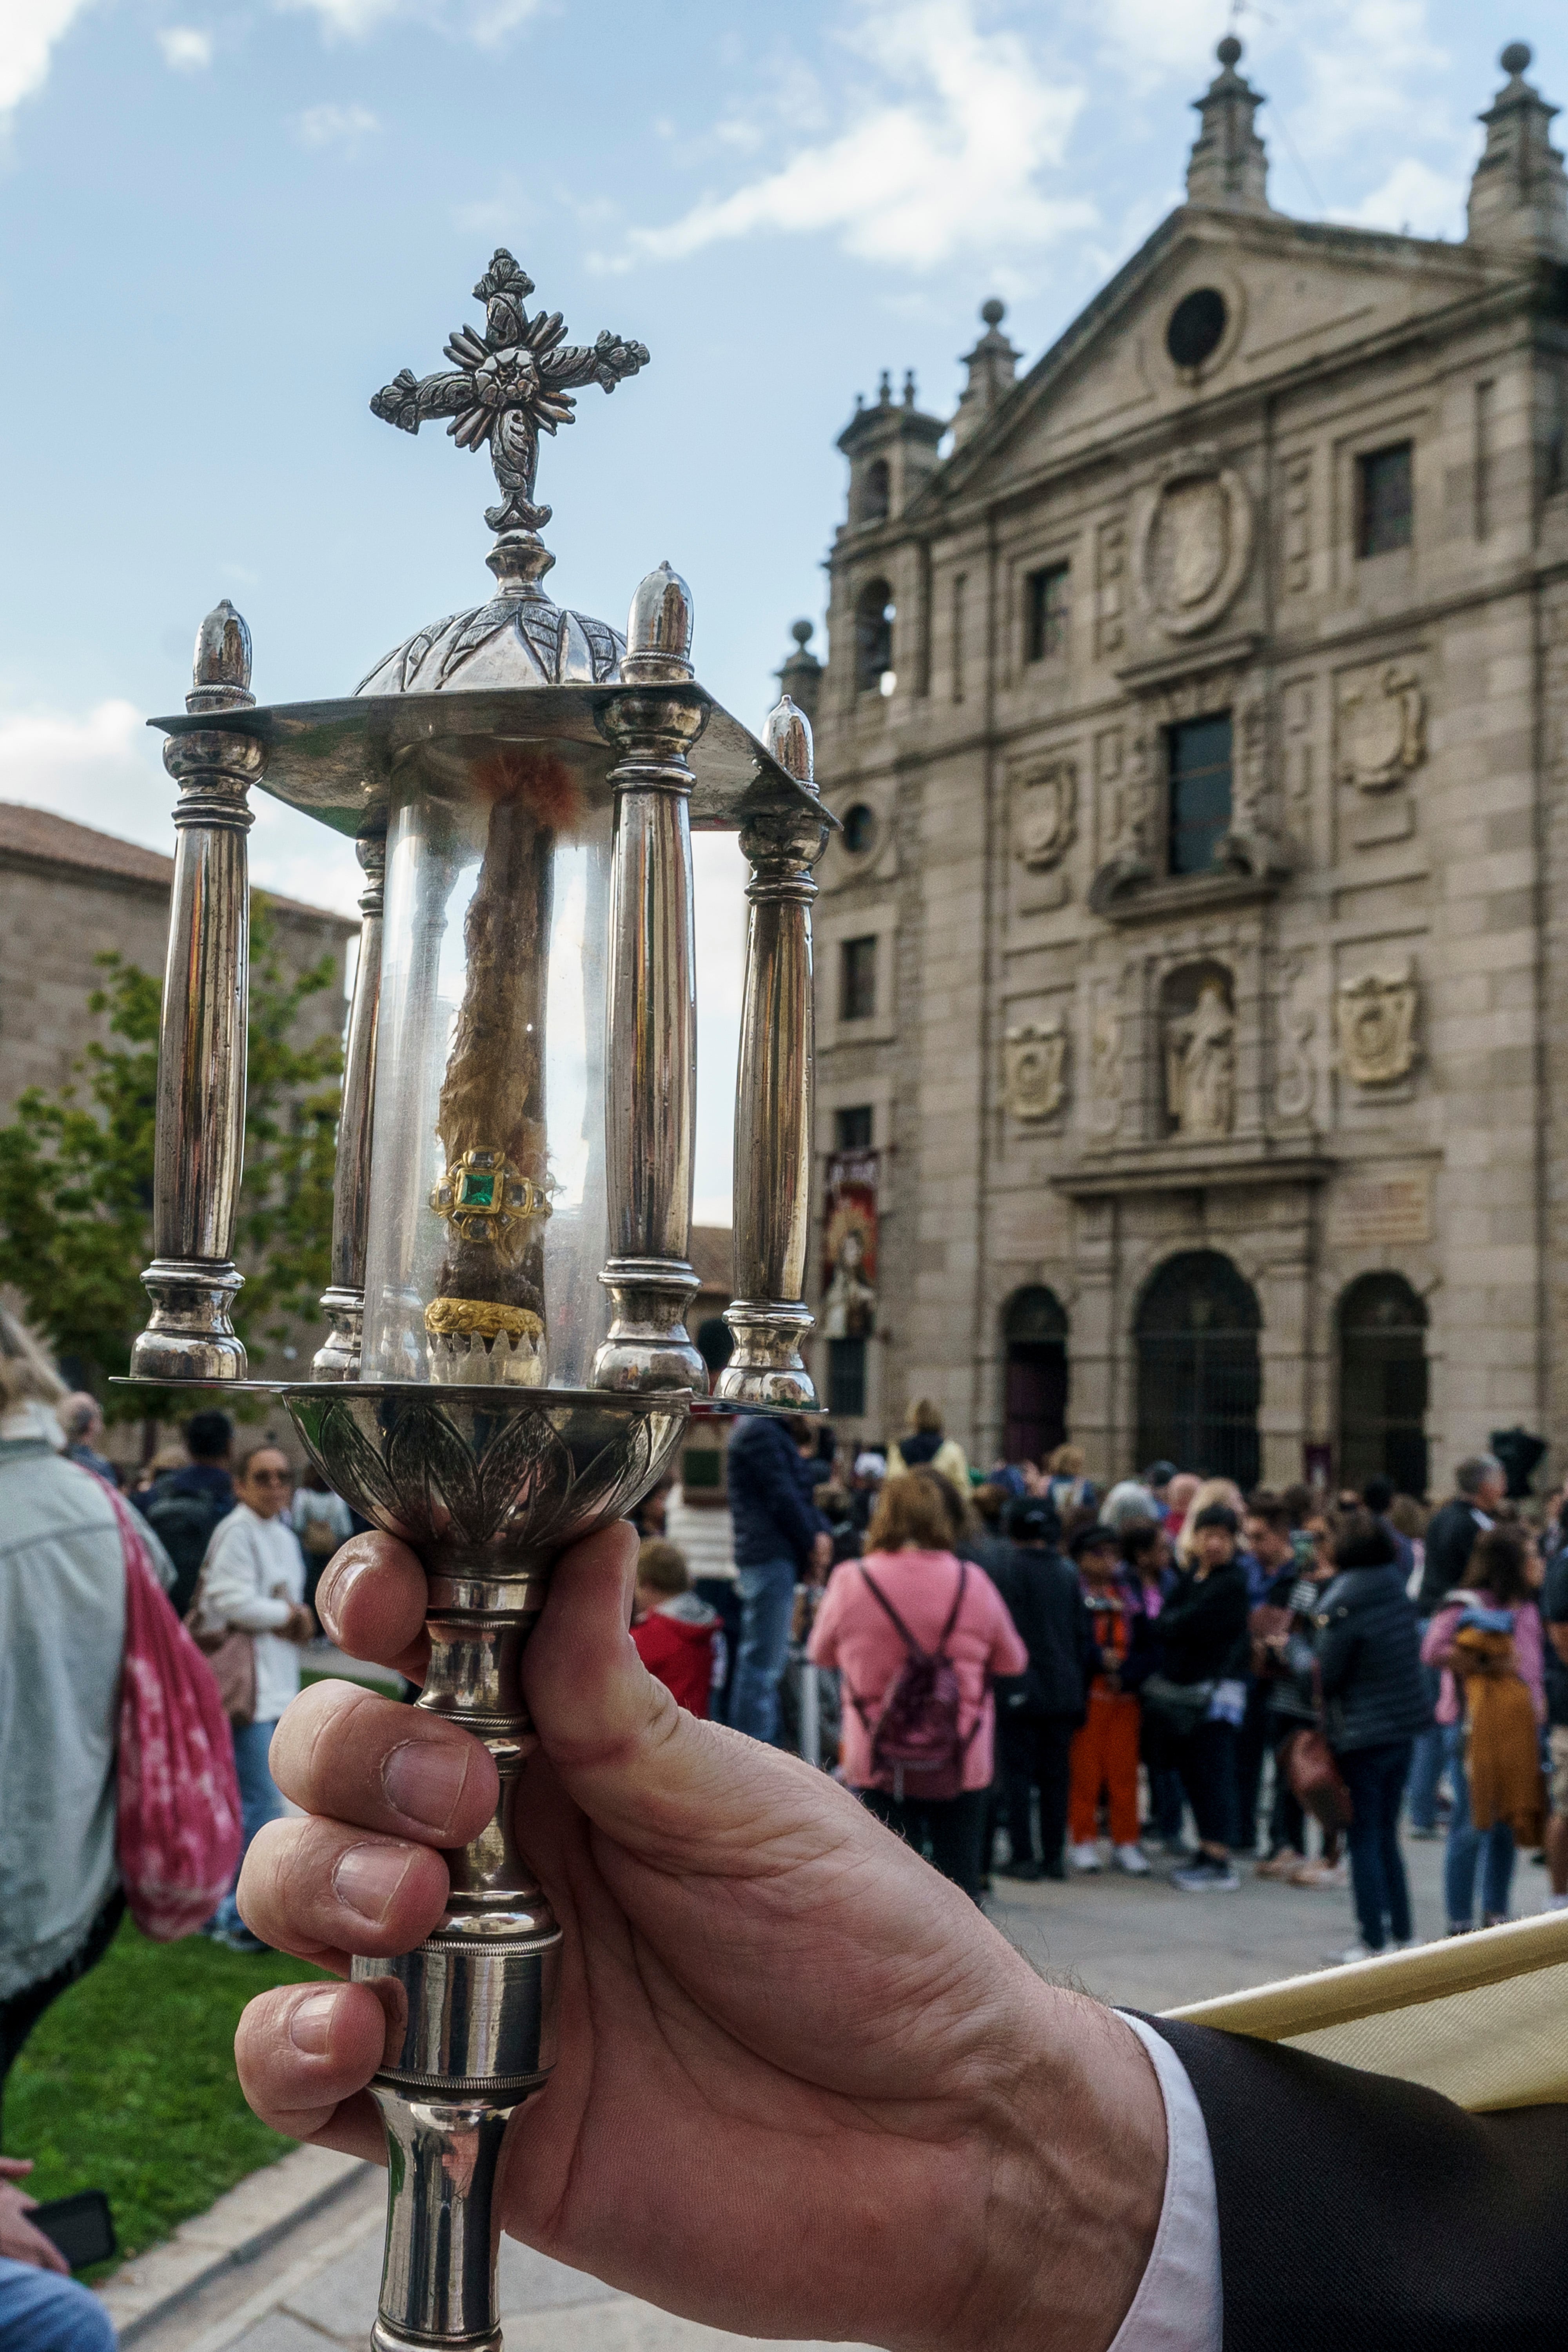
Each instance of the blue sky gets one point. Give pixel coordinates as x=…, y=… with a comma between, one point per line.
x=224, y=226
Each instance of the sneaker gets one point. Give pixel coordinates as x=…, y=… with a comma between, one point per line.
x=1206, y=1876
x=1317, y=1873
x=1422, y=1832
x=1280, y=1865
x=1057, y=1870
x=1027, y=1871
x=1132, y=1860
x=1085, y=1857
x=1348, y=1960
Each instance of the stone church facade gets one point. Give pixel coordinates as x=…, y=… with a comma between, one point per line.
x=1193, y=958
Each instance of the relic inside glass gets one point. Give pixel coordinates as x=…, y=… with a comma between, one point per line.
x=506, y=1365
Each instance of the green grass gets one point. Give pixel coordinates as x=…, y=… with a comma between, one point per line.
x=128, y=2084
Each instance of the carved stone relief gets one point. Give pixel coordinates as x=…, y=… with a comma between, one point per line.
x=1200, y=1065
x=1110, y=566
x=1297, y=524
x=1295, y=1081
x=1195, y=544
x=1033, y=1068
x=1045, y=811
x=1105, y=1058
x=1382, y=727
x=1375, y=1020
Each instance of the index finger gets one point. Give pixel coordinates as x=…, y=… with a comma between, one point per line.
x=371, y=1600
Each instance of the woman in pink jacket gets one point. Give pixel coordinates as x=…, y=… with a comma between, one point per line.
x=911, y=1598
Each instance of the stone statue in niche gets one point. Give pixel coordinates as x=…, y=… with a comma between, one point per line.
x=1375, y=1017
x=1044, y=809
x=1200, y=1065
x=1034, y=1068
x=1382, y=728
x=1105, y=1059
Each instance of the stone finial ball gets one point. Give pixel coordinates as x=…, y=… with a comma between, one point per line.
x=802, y=632
x=1515, y=58
x=1229, y=51
x=993, y=312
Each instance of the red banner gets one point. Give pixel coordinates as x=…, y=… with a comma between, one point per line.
x=849, y=1246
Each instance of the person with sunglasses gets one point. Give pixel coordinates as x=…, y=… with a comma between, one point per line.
x=253, y=1582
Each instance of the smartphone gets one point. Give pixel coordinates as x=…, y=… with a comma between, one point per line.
x=81, y=2226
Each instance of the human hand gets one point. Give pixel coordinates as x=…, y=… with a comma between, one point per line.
x=19, y=2241
x=299, y=1627
x=806, y=2089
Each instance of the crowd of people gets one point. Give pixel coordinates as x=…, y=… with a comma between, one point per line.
x=1031, y=1679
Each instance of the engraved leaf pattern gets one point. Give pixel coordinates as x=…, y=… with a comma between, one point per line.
x=352, y=1465
x=434, y=1467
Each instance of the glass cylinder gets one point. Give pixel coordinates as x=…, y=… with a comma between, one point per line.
x=486, y=1220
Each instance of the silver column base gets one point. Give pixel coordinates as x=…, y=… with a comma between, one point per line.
x=337, y=1359
x=191, y=1336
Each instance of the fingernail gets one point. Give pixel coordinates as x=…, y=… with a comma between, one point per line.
x=368, y=1876
x=311, y=2023
x=424, y=1778
x=333, y=1591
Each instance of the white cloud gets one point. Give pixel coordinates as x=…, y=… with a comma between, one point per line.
x=106, y=769
x=488, y=22
x=942, y=151
x=185, y=48
x=1414, y=198
x=330, y=125
x=28, y=31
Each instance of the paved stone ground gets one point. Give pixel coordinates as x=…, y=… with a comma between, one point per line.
x=1138, y=1942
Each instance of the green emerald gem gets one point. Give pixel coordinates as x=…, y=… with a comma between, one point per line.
x=479, y=1189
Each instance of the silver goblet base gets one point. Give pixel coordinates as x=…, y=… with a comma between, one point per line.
x=488, y=1485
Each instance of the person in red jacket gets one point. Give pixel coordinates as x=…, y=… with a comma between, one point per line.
x=675, y=1631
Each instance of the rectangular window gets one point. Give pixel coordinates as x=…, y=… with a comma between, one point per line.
x=1198, y=763
x=852, y=1128
x=1383, y=501
x=1046, y=618
x=857, y=979
x=846, y=1378
x=959, y=585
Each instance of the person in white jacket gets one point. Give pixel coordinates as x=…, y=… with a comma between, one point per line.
x=253, y=1582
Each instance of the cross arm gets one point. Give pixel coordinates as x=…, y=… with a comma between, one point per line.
x=409, y=401
x=608, y=362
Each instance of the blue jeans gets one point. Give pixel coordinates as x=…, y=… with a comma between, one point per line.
x=1493, y=1849
x=259, y=1803
x=1375, y=1778
x=767, y=1605
x=42, y=2312
x=1426, y=1758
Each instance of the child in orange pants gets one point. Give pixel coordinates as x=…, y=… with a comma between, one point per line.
x=1105, y=1752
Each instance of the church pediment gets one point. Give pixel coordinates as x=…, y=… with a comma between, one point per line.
x=1213, y=304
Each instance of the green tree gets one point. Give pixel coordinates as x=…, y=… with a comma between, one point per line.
x=76, y=1175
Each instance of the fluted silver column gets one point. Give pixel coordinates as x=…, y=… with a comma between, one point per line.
x=773, y=1098
x=343, y=1304
x=202, y=1044
x=650, y=1102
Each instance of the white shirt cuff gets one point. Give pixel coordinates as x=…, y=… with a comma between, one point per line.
x=1178, y=2305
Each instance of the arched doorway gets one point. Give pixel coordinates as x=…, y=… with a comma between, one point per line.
x=1382, y=1383
x=1035, y=1333
x=1199, y=1379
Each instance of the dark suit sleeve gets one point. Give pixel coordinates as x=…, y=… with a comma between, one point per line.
x=1359, y=2214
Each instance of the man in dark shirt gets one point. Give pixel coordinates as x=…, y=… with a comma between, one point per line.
x=1039, y=1712
x=185, y=1505
x=1451, y=1533
x=779, y=1535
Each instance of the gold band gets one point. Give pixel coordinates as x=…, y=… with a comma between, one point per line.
x=481, y=1319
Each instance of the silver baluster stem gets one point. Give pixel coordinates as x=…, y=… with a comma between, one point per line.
x=202, y=1043
x=343, y=1304
x=651, y=1058
x=773, y=1098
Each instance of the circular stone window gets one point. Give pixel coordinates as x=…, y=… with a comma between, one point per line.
x=1196, y=327
x=859, y=829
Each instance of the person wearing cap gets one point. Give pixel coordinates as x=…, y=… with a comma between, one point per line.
x=1040, y=1709
x=1104, y=1758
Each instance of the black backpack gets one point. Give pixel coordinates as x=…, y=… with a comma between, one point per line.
x=183, y=1523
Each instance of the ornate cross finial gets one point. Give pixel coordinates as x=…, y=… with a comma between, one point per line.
x=510, y=383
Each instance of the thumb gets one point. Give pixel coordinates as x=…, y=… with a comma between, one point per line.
x=15, y=2167
x=665, y=1785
